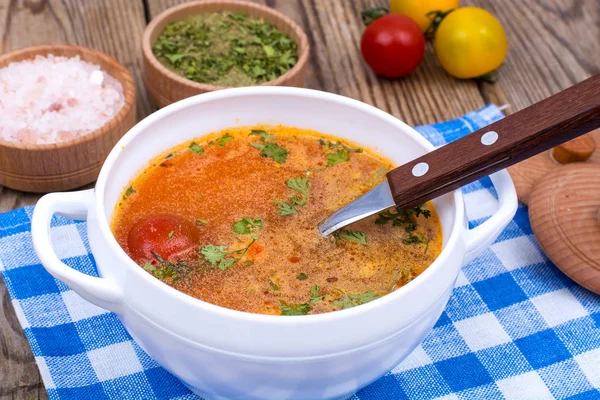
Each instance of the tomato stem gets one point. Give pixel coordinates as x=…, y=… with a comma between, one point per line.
x=490, y=77
x=372, y=14
x=436, y=18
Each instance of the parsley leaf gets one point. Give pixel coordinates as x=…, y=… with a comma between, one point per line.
x=196, y=148
x=414, y=239
x=220, y=257
x=405, y=218
x=355, y=236
x=329, y=145
x=166, y=269
x=314, y=295
x=285, y=209
x=302, y=186
x=338, y=157
x=353, y=300
x=128, y=192
x=200, y=221
x=302, y=276
x=264, y=135
x=170, y=235
x=273, y=150
x=215, y=255
x=293, y=309
x=269, y=149
x=223, y=140
x=246, y=225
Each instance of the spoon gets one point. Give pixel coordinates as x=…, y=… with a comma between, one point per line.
x=537, y=128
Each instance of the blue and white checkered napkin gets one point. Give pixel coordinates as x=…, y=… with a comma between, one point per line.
x=515, y=326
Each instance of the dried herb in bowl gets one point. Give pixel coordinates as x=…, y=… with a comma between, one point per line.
x=226, y=49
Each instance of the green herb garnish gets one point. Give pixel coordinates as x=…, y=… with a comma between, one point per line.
x=166, y=269
x=402, y=278
x=128, y=192
x=170, y=235
x=341, y=152
x=226, y=49
x=302, y=276
x=329, y=145
x=247, y=225
x=407, y=276
x=285, y=209
x=221, y=257
x=223, y=140
x=355, y=236
x=338, y=157
x=414, y=239
x=273, y=150
x=302, y=186
x=196, y=148
x=314, y=295
x=200, y=221
x=264, y=135
x=274, y=286
x=293, y=309
x=405, y=218
x=269, y=149
x=353, y=300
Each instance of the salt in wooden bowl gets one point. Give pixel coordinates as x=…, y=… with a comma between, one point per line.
x=66, y=165
x=165, y=86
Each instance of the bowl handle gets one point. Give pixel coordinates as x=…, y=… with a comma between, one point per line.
x=480, y=238
x=99, y=291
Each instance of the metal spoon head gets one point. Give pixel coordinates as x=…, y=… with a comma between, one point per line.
x=376, y=200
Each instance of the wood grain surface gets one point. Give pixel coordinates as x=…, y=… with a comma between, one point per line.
x=552, y=45
x=563, y=209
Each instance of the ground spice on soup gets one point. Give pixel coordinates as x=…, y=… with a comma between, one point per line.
x=226, y=49
x=246, y=238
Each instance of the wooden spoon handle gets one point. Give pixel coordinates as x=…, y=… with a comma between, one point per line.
x=557, y=119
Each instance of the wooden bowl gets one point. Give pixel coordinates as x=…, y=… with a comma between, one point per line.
x=166, y=87
x=66, y=165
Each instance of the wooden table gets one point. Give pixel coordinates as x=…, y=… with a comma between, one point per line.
x=552, y=45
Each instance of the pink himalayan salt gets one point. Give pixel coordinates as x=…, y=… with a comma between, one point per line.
x=55, y=99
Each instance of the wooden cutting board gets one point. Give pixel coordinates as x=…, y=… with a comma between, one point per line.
x=564, y=209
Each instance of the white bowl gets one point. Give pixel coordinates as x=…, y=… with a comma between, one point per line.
x=233, y=354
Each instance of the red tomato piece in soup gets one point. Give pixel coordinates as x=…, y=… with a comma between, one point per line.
x=167, y=236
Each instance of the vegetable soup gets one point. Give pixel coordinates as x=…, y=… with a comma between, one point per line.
x=231, y=218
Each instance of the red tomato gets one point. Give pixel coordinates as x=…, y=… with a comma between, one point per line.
x=166, y=236
x=393, y=45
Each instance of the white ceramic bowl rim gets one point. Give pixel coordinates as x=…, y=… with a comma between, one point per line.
x=139, y=129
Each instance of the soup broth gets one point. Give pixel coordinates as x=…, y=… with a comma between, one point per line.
x=231, y=218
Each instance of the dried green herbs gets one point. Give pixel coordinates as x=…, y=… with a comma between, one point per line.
x=226, y=49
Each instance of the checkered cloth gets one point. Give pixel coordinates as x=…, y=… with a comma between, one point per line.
x=515, y=326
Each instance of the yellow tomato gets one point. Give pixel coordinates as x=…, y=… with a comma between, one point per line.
x=417, y=9
x=470, y=42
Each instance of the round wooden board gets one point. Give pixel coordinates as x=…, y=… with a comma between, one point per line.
x=528, y=173
x=563, y=209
